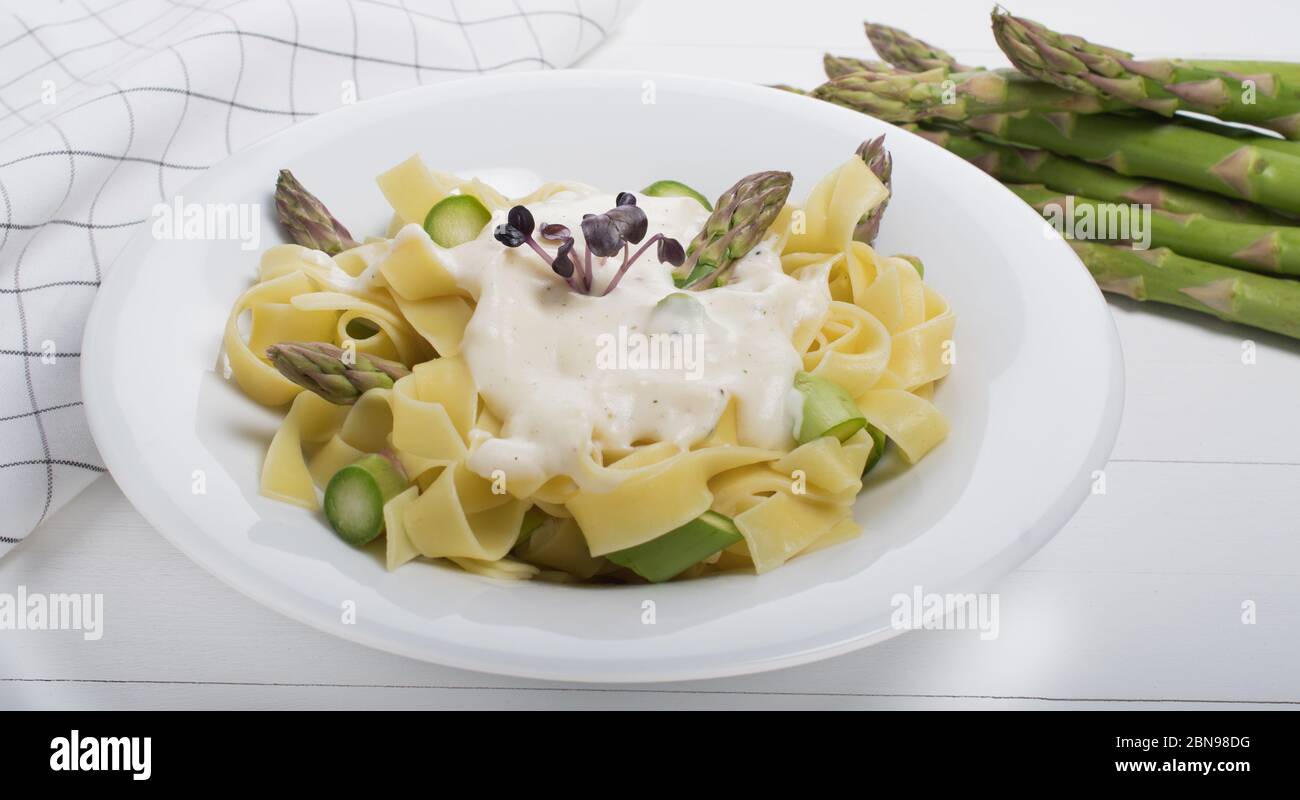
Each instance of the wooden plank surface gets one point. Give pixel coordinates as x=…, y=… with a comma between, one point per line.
x=1137, y=603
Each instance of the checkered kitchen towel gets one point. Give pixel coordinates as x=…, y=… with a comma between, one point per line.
x=110, y=106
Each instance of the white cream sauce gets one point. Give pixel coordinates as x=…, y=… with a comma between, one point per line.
x=567, y=372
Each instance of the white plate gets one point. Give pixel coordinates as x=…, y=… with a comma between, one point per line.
x=1034, y=399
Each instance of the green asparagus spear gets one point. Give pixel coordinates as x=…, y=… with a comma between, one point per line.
x=909, y=53
x=839, y=66
x=1155, y=149
x=739, y=221
x=1259, y=248
x=1241, y=135
x=1288, y=71
x=881, y=163
x=1026, y=165
x=1163, y=276
x=323, y=368
x=943, y=95
x=1265, y=98
x=307, y=220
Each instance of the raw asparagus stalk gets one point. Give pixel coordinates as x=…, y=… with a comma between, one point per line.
x=323, y=368
x=881, y=163
x=1259, y=248
x=1163, y=276
x=838, y=66
x=1026, y=165
x=1288, y=71
x=909, y=53
x=307, y=220
x=1155, y=149
x=1266, y=98
x=739, y=221
x=955, y=96
x=1242, y=135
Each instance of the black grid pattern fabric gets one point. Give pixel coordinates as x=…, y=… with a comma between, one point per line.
x=108, y=107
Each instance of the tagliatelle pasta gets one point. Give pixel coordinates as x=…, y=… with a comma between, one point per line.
x=523, y=456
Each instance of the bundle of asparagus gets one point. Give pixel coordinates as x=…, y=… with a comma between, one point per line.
x=1088, y=126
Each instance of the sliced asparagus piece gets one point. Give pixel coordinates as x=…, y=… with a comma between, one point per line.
x=456, y=219
x=355, y=497
x=881, y=163
x=1259, y=248
x=678, y=313
x=324, y=368
x=828, y=410
x=1268, y=98
x=739, y=221
x=1021, y=165
x=878, y=442
x=940, y=94
x=534, y=518
x=1169, y=151
x=906, y=52
x=307, y=220
x=670, y=555
x=1163, y=276
x=676, y=189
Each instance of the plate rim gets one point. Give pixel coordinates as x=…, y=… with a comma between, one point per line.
x=168, y=519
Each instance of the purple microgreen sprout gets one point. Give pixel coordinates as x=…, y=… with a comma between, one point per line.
x=554, y=232
x=604, y=238
x=669, y=251
x=631, y=222
x=518, y=230
x=521, y=219
x=563, y=263
x=603, y=234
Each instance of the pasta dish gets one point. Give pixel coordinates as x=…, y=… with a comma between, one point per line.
x=581, y=386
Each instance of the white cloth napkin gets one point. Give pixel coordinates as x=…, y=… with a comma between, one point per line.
x=108, y=107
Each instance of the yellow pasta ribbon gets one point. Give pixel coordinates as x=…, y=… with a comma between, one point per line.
x=656, y=499
x=285, y=475
x=439, y=526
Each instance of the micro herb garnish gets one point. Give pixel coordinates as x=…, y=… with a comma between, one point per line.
x=604, y=236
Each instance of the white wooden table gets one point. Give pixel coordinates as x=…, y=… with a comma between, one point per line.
x=1137, y=603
